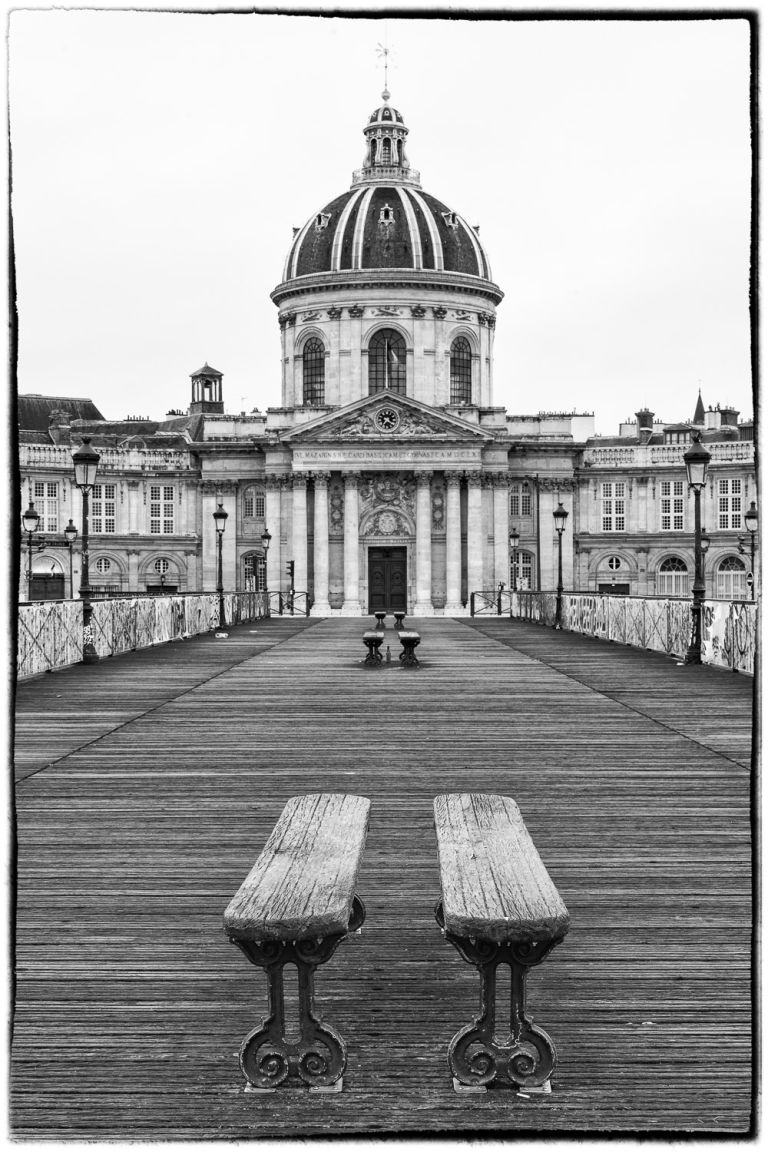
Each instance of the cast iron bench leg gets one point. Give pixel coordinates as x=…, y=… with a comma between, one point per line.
x=475, y=1057
x=318, y=1058
x=408, y=654
x=374, y=655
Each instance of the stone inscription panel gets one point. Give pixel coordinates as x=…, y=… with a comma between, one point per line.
x=307, y=458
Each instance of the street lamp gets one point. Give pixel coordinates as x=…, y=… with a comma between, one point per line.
x=696, y=461
x=70, y=535
x=750, y=523
x=86, y=462
x=266, y=539
x=220, y=519
x=560, y=516
x=29, y=522
x=514, y=540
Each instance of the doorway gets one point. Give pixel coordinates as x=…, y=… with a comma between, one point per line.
x=387, y=580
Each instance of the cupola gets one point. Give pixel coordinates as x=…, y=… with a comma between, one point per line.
x=385, y=158
x=206, y=390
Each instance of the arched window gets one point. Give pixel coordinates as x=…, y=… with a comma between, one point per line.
x=521, y=571
x=255, y=572
x=461, y=371
x=253, y=504
x=314, y=371
x=732, y=579
x=386, y=362
x=672, y=577
x=386, y=150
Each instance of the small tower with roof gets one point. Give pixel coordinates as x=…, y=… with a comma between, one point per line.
x=206, y=390
x=698, y=415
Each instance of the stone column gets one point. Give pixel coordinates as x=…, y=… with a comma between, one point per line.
x=501, y=568
x=423, y=605
x=321, y=607
x=474, y=533
x=453, y=605
x=351, y=545
x=274, y=527
x=299, y=539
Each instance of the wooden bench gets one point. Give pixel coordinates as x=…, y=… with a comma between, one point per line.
x=410, y=642
x=498, y=906
x=373, y=642
x=295, y=906
x=399, y=619
x=380, y=617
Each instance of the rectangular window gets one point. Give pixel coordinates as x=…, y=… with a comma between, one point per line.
x=161, y=508
x=729, y=503
x=248, y=505
x=103, y=507
x=46, y=496
x=672, y=506
x=519, y=501
x=614, y=507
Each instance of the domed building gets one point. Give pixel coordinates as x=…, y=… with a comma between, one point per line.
x=386, y=479
x=387, y=311
x=386, y=288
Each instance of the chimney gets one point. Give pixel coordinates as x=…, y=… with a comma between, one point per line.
x=644, y=425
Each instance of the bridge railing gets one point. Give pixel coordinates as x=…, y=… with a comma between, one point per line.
x=289, y=603
x=51, y=634
x=663, y=624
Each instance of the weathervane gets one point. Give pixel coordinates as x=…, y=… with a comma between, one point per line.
x=386, y=52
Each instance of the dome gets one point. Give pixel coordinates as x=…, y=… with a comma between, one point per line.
x=385, y=220
x=386, y=225
x=385, y=115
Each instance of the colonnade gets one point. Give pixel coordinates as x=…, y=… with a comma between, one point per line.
x=422, y=569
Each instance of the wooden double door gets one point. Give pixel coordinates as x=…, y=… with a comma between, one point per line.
x=387, y=580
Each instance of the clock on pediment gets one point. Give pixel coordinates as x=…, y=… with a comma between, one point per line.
x=387, y=419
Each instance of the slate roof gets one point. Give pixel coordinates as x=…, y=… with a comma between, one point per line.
x=34, y=410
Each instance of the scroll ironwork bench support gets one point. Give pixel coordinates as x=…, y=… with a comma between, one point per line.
x=318, y=1057
x=477, y=1054
x=373, y=642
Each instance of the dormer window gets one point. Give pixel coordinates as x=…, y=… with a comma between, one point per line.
x=386, y=216
x=321, y=220
x=451, y=219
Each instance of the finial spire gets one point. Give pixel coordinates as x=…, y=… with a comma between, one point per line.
x=383, y=51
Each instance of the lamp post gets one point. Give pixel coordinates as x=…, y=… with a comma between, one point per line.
x=696, y=461
x=29, y=522
x=560, y=515
x=266, y=540
x=514, y=540
x=70, y=535
x=86, y=462
x=750, y=523
x=220, y=519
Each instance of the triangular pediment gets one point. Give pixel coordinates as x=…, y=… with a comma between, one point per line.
x=387, y=417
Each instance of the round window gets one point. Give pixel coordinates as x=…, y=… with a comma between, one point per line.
x=614, y=562
x=103, y=565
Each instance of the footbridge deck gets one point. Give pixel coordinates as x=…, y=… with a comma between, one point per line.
x=146, y=786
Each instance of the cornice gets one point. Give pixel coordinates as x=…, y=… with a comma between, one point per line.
x=386, y=278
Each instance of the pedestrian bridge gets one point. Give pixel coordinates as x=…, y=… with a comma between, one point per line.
x=147, y=784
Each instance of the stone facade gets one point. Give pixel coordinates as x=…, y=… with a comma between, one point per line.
x=386, y=457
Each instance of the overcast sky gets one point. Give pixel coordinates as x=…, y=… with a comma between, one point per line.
x=161, y=160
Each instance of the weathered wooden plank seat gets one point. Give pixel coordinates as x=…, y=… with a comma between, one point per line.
x=498, y=906
x=296, y=905
x=373, y=642
x=410, y=642
x=399, y=620
x=380, y=617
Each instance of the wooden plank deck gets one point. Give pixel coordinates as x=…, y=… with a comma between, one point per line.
x=148, y=785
